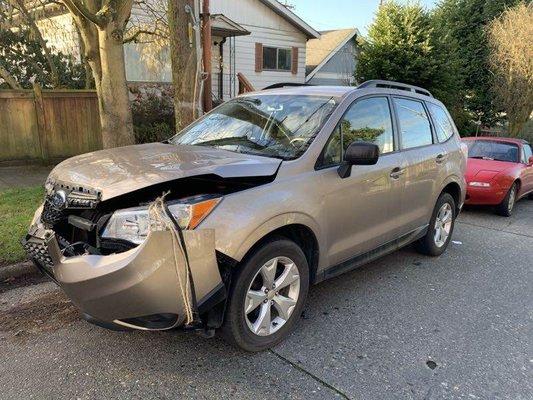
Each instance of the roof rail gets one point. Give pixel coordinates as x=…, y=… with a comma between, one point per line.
x=394, y=85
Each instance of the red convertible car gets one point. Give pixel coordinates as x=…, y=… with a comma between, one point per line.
x=499, y=172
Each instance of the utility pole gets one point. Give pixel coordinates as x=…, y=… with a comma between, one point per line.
x=184, y=53
x=207, y=58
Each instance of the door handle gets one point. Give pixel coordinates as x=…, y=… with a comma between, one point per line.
x=397, y=172
x=440, y=158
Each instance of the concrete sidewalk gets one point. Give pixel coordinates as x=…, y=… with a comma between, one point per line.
x=22, y=176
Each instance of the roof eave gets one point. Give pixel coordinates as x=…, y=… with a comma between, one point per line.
x=284, y=12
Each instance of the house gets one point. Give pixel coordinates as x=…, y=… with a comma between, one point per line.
x=332, y=58
x=260, y=39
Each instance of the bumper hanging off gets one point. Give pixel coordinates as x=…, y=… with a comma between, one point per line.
x=138, y=288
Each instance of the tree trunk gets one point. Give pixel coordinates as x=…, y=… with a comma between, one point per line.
x=112, y=89
x=184, y=62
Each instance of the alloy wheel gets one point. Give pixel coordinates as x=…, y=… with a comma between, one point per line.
x=512, y=198
x=272, y=296
x=443, y=224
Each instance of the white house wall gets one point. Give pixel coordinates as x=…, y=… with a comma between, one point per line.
x=61, y=35
x=268, y=28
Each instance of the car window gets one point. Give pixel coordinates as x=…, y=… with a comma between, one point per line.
x=527, y=152
x=332, y=154
x=415, y=129
x=367, y=120
x=443, y=125
x=493, y=150
x=269, y=125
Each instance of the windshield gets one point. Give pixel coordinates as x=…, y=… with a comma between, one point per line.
x=280, y=126
x=492, y=150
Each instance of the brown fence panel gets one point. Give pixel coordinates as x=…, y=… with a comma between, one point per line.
x=19, y=135
x=72, y=122
x=48, y=124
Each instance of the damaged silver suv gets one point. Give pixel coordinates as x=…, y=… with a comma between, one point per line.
x=226, y=225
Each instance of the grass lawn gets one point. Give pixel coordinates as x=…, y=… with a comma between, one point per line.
x=17, y=207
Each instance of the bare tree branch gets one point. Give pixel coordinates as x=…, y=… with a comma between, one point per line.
x=6, y=76
x=78, y=8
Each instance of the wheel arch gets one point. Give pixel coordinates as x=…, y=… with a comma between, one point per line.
x=455, y=190
x=300, y=230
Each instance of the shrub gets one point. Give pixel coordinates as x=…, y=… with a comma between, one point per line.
x=153, y=117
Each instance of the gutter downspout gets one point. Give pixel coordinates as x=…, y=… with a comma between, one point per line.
x=206, y=41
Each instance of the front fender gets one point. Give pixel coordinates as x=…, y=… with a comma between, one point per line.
x=279, y=221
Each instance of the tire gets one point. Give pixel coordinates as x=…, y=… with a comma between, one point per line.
x=432, y=244
x=238, y=327
x=506, y=207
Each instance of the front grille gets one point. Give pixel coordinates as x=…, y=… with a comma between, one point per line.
x=50, y=215
x=38, y=251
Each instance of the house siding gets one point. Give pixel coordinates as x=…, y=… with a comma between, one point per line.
x=61, y=34
x=339, y=69
x=274, y=31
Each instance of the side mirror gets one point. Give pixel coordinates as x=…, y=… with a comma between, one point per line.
x=358, y=153
x=530, y=161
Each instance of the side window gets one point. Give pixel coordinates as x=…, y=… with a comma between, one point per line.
x=366, y=120
x=443, y=124
x=527, y=152
x=332, y=154
x=415, y=129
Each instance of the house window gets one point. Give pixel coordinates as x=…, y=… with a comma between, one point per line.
x=277, y=59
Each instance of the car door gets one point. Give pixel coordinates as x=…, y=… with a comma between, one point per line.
x=361, y=211
x=527, y=173
x=425, y=159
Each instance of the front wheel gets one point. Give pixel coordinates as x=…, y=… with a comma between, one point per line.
x=267, y=296
x=440, y=227
x=505, y=208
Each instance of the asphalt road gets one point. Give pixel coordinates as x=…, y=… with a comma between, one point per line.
x=404, y=327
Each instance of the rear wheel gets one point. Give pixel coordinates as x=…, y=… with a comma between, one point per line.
x=267, y=296
x=506, y=207
x=440, y=227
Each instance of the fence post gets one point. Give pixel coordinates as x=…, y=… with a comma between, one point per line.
x=41, y=120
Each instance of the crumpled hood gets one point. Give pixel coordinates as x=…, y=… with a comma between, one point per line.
x=124, y=169
x=475, y=166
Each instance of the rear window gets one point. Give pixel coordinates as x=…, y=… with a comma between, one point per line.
x=492, y=150
x=443, y=124
x=415, y=130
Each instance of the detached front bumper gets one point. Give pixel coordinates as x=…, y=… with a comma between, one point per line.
x=138, y=288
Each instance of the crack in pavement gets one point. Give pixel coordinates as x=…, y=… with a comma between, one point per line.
x=495, y=229
x=316, y=378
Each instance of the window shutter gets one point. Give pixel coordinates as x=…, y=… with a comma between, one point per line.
x=258, y=57
x=294, y=66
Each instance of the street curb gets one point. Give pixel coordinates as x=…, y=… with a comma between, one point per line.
x=17, y=270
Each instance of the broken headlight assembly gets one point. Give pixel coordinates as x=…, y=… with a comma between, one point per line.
x=133, y=224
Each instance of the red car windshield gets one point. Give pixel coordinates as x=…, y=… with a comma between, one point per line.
x=492, y=150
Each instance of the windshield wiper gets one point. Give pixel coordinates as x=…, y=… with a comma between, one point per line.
x=481, y=157
x=240, y=140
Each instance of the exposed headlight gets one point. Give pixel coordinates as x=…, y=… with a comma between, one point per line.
x=479, y=184
x=133, y=224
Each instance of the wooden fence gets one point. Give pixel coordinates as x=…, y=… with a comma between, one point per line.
x=48, y=124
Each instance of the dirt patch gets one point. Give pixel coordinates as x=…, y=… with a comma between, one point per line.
x=48, y=312
x=24, y=280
